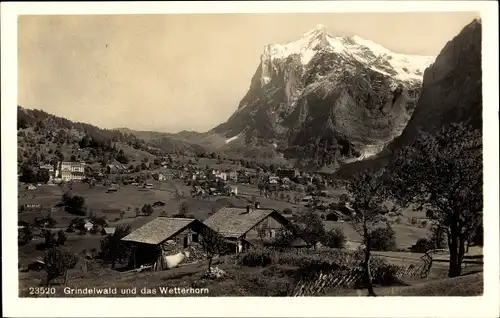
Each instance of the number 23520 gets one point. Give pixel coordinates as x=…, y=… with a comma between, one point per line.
x=42, y=290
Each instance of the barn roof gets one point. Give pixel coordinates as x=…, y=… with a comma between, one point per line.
x=235, y=222
x=158, y=230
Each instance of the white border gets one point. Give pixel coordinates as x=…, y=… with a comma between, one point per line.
x=486, y=306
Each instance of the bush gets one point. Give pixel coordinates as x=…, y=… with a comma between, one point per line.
x=422, y=245
x=256, y=258
x=383, y=239
x=61, y=237
x=287, y=211
x=335, y=238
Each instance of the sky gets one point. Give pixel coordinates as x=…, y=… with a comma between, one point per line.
x=183, y=72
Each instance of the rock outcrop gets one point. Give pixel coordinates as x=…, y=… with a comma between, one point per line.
x=451, y=93
x=326, y=100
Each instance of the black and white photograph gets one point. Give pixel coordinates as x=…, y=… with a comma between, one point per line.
x=284, y=155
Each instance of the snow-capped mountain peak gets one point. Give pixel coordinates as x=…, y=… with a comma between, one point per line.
x=401, y=66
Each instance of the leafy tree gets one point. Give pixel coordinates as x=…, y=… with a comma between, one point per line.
x=287, y=211
x=25, y=235
x=383, y=239
x=113, y=248
x=213, y=243
x=183, y=208
x=74, y=204
x=59, y=155
x=335, y=238
x=43, y=176
x=27, y=174
x=367, y=199
x=311, y=228
x=147, y=209
x=442, y=175
x=57, y=263
x=61, y=237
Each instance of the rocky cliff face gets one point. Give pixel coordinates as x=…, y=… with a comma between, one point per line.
x=451, y=93
x=327, y=99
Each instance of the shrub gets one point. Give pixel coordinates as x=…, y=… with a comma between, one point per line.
x=24, y=236
x=256, y=258
x=383, y=239
x=422, y=245
x=335, y=238
x=61, y=237
x=287, y=211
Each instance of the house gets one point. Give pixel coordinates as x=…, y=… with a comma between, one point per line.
x=49, y=168
x=232, y=175
x=273, y=179
x=71, y=171
x=108, y=230
x=112, y=189
x=233, y=191
x=244, y=179
x=221, y=175
x=287, y=173
x=159, y=176
x=164, y=236
x=158, y=204
x=306, y=199
x=88, y=225
x=241, y=226
x=116, y=168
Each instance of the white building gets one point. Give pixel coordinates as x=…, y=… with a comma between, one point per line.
x=72, y=171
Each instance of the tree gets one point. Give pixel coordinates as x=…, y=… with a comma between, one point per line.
x=383, y=239
x=287, y=211
x=214, y=244
x=27, y=174
x=74, y=204
x=367, y=198
x=442, y=175
x=25, y=235
x=113, y=248
x=61, y=237
x=43, y=176
x=183, y=208
x=57, y=263
x=147, y=209
x=335, y=238
x=311, y=228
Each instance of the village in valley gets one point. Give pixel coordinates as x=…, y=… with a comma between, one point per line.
x=262, y=205
x=203, y=219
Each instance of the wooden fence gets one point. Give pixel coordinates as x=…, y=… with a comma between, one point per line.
x=348, y=278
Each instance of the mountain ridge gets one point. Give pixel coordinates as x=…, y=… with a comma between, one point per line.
x=360, y=94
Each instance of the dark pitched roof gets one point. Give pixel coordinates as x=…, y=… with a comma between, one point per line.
x=158, y=230
x=235, y=222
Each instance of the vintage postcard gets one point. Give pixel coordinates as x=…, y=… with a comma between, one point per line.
x=250, y=159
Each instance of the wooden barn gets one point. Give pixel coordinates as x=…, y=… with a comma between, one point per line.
x=164, y=237
x=248, y=226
